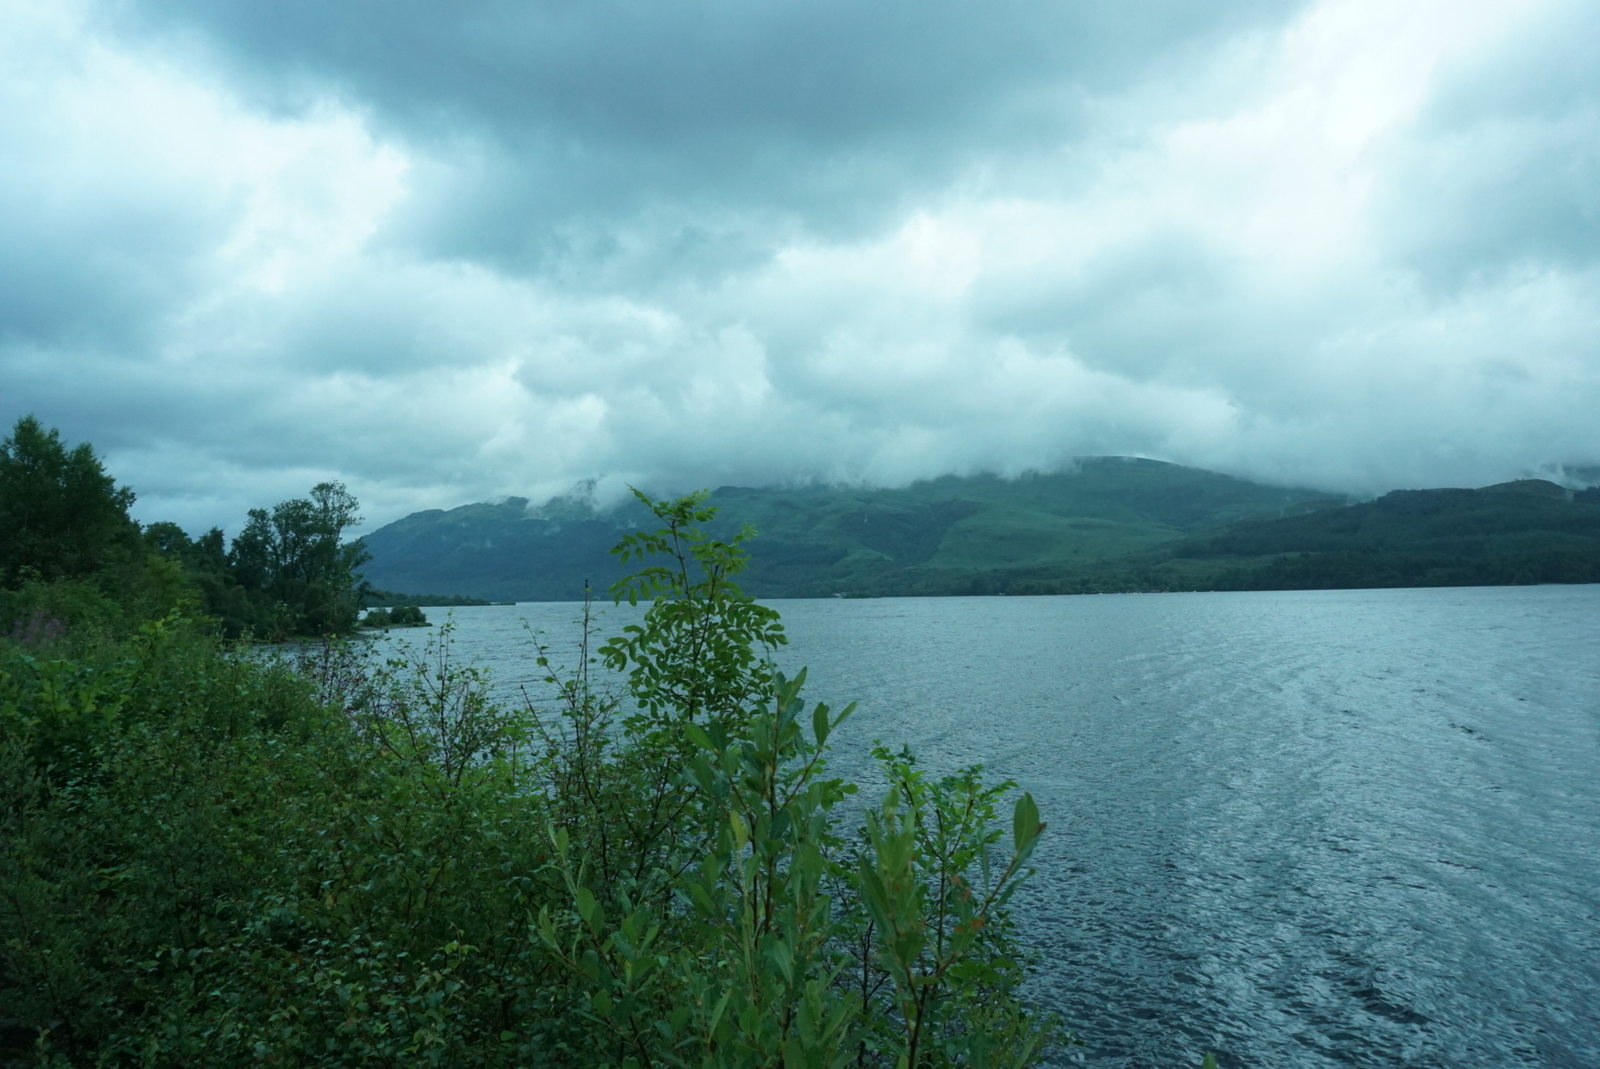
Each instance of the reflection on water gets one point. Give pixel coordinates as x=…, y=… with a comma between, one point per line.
x=1296, y=828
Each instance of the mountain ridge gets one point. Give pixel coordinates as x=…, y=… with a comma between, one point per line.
x=1105, y=524
x=816, y=541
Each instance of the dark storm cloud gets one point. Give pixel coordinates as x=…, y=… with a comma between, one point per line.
x=89, y=281
x=833, y=110
x=665, y=76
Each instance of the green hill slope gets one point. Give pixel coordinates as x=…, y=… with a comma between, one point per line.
x=951, y=535
x=1109, y=524
x=1530, y=531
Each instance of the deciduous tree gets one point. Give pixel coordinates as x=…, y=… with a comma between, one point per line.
x=296, y=555
x=61, y=514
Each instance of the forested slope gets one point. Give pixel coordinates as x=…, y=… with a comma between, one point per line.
x=941, y=536
x=1529, y=531
x=1110, y=524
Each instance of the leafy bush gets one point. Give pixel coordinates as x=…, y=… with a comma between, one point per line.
x=407, y=616
x=213, y=858
x=399, y=616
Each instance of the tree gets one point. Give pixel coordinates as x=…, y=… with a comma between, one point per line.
x=295, y=555
x=61, y=514
x=204, y=561
x=714, y=909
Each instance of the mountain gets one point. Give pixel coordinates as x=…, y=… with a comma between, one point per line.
x=1108, y=524
x=1528, y=531
x=945, y=536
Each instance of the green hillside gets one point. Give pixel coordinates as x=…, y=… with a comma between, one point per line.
x=952, y=535
x=1109, y=524
x=1529, y=531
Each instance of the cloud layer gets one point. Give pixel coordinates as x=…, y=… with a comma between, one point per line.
x=447, y=252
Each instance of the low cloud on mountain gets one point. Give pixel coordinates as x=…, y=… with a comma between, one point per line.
x=446, y=252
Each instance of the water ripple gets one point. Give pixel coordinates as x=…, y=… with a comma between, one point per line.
x=1299, y=829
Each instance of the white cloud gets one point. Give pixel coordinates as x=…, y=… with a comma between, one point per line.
x=1344, y=250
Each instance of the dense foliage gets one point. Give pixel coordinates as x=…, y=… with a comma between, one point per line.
x=289, y=572
x=294, y=556
x=211, y=858
x=399, y=616
x=61, y=515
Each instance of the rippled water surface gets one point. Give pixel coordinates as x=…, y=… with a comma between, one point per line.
x=1296, y=828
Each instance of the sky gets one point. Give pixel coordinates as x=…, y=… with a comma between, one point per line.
x=449, y=252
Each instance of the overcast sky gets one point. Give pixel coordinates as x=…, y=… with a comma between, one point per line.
x=447, y=251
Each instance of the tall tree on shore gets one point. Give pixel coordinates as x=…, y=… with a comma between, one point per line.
x=61, y=514
x=295, y=554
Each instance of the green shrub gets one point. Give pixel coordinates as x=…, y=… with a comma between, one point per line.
x=210, y=857
x=399, y=616
x=407, y=616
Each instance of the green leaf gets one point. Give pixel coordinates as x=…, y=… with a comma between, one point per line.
x=783, y=957
x=819, y=723
x=1025, y=826
x=697, y=735
x=716, y=1014
x=588, y=908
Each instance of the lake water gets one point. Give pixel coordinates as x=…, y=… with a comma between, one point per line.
x=1299, y=829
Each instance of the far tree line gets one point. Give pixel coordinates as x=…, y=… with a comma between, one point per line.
x=64, y=525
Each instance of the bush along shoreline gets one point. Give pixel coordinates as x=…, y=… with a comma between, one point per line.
x=399, y=616
x=224, y=860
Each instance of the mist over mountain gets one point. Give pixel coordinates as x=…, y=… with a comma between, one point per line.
x=935, y=536
x=1106, y=524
